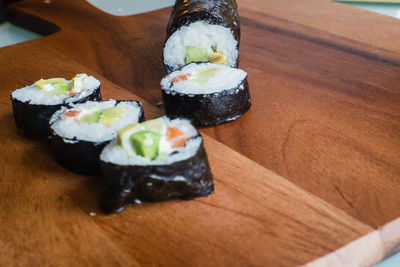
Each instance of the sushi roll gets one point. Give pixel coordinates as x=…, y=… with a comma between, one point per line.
x=206, y=93
x=157, y=160
x=80, y=132
x=202, y=31
x=34, y=104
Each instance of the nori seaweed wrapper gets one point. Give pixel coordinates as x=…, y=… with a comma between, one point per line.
x=184, y=179
x=208, y=109
x=215, y=12
x=77, y=155
x=33, y=120
x=81, y=156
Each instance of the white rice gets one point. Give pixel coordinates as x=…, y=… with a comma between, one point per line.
x=34, y=95
x=94, y=132
x=200, y=34
x=113, y=153
x=224, y=79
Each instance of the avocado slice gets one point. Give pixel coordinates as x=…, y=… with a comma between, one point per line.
x=111, y=115
x=203, y=76
x=39, y=84
x=156, y=125
x=195, y=54
x=78, y=76
x=89, y=118
x=123, y=137
x=145, y=143
x=58, y=85
x=108, y=120
x=113, y=112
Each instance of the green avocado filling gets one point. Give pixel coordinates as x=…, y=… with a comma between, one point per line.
x=123, y=137
x=111, y=115
x=145, y=143
x=58, y=86
x=106, y=116
x=73, y=82
x=113, y=112
x=142, y=138
x=89, y=118
x=156, y=125
x=203, y=76
x=195, y=54
x=199, y=54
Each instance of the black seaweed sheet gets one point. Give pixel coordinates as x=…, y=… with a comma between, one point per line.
x=33, y=120
x=81, y=156
x=208, y=109
x=77, y=155
x=185, y=179
x=216, y=12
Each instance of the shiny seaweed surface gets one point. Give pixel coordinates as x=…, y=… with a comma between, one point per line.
x=218, y=12
x=33, y=120
x=208, y=109
x=185, y=179
x=78, y=155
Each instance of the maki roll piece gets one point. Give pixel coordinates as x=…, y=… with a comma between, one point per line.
x=80, y=132
x=157, y=160
x=206, y=93
x=34, y=104
x=202, y=31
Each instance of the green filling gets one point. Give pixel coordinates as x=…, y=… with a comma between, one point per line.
x=142, y=138
x=93, y=117
x=123, y=136
x=145, y=143
x=113, y=112
x=111, y=115
x=60, y=86
x=76, y=77
x=195, y=54
x=105, y=116
x=156, y=125
x=205, y=75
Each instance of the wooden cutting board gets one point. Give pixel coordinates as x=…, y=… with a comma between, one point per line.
x=310, y=174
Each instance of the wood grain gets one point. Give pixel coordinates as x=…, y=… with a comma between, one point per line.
x=325, y=116
x=325, y=91
x=255, y=216
x=378, y=244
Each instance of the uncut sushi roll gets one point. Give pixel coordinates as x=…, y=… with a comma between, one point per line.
x=157, y=160
x=80, y=132
x=206, y=93
x=202, y=31
x=34, y=104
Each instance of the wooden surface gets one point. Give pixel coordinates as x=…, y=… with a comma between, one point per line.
x=314, y=165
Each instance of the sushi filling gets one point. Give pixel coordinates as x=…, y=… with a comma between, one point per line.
x=56, y=91
x=205, y=78
x=201, y=42
x=154, y=142
x=94, y=121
